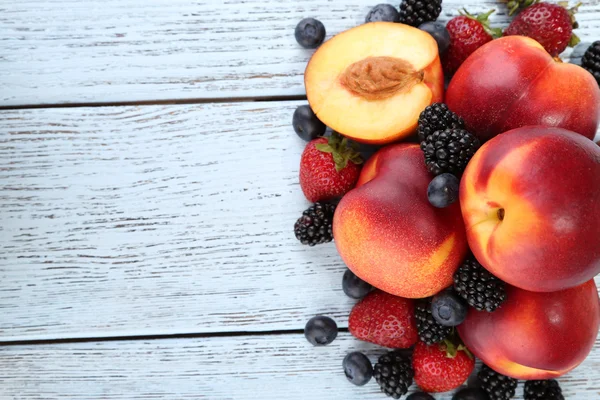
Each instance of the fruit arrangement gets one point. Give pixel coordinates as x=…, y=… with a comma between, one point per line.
x=473, y=232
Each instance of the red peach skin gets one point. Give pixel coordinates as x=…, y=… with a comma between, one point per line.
x=535, y=335
x=513, y=82
x=389, y=235
x=530, y=200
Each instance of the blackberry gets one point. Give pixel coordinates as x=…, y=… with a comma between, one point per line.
x=315, y=224
x=591, y=60
x=416, y=12
x=543, y=390
x=437, y=117
x=481, y=289
x=449, y=150
x=430, y=331
x=497, y=386
x=394, y=374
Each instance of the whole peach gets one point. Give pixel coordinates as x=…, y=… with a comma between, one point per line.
x=530, y=200
x=389, y=235
x=535, y=335
x=513, y=82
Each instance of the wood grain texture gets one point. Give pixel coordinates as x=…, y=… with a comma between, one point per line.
x=82, y=51
x=118, y=221
x=272, y=367
x=156, y=220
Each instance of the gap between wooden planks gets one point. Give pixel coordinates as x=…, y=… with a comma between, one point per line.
x=122, y=51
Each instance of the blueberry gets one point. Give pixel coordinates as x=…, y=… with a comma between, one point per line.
x=310, y=33
x=420, y=396
x=470, y=394
x=443, y=190
x=358, y=368
x=448, y=308
x=383, y=12
x=439, y=33
x=355, y=287
x=306, y=124
x=320, y=330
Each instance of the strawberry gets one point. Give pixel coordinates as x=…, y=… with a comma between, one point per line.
x=467, y=34
x=514, y=5
x=550, y=24
x=329, y=168
x=384, y=319
x=441, y=367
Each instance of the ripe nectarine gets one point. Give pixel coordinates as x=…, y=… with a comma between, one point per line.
x=371, y=82
x=513, y=82
x=530, y=200
x=388, y=233
x=535, y=335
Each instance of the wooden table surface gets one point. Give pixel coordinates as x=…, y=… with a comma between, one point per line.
x=148, y=189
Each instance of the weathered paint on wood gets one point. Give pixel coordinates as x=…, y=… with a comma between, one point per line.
x=156, y=220
x=270, y=367
x=161, y=219
x=82, y=51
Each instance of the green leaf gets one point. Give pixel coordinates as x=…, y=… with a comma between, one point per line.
x=356, y=159
x=324, y=147
x=574, y=41
x=340, y=161
x=495, y=32
x=449, y=347
x=462, y=347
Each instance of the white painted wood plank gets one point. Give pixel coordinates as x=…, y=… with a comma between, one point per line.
x=77, y=51
x=272, y=367
x=156, y=220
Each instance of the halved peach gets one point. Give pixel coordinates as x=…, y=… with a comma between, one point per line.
x=370, y=83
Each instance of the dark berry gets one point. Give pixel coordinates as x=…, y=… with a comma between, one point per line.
x=355, y=287
x=543, y=390
x=591, y=60
x=420, y=396
x=497, y=386
x=306, y=124
x=440, y=34
x=481, y=289
x=320, y=330
x=430, y=331
x=310, y=33
x=416, y=12
x=358, y=368
x=394, y=374
x=448, y=308
x=437, y=117
x=449, y=150
x=383, y=12
x=470, y=394
x=315, y=224
x=443, y=190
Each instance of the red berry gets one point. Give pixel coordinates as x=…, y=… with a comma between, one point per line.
x=441, y=367
x=384, y=319
x=329, y=168
x=550, y=24
x=467, y=34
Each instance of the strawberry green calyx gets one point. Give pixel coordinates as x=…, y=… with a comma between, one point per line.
x=452, y=348
x=483, y=19
x=342, y=151
x=514, y=5
x=574, y=41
